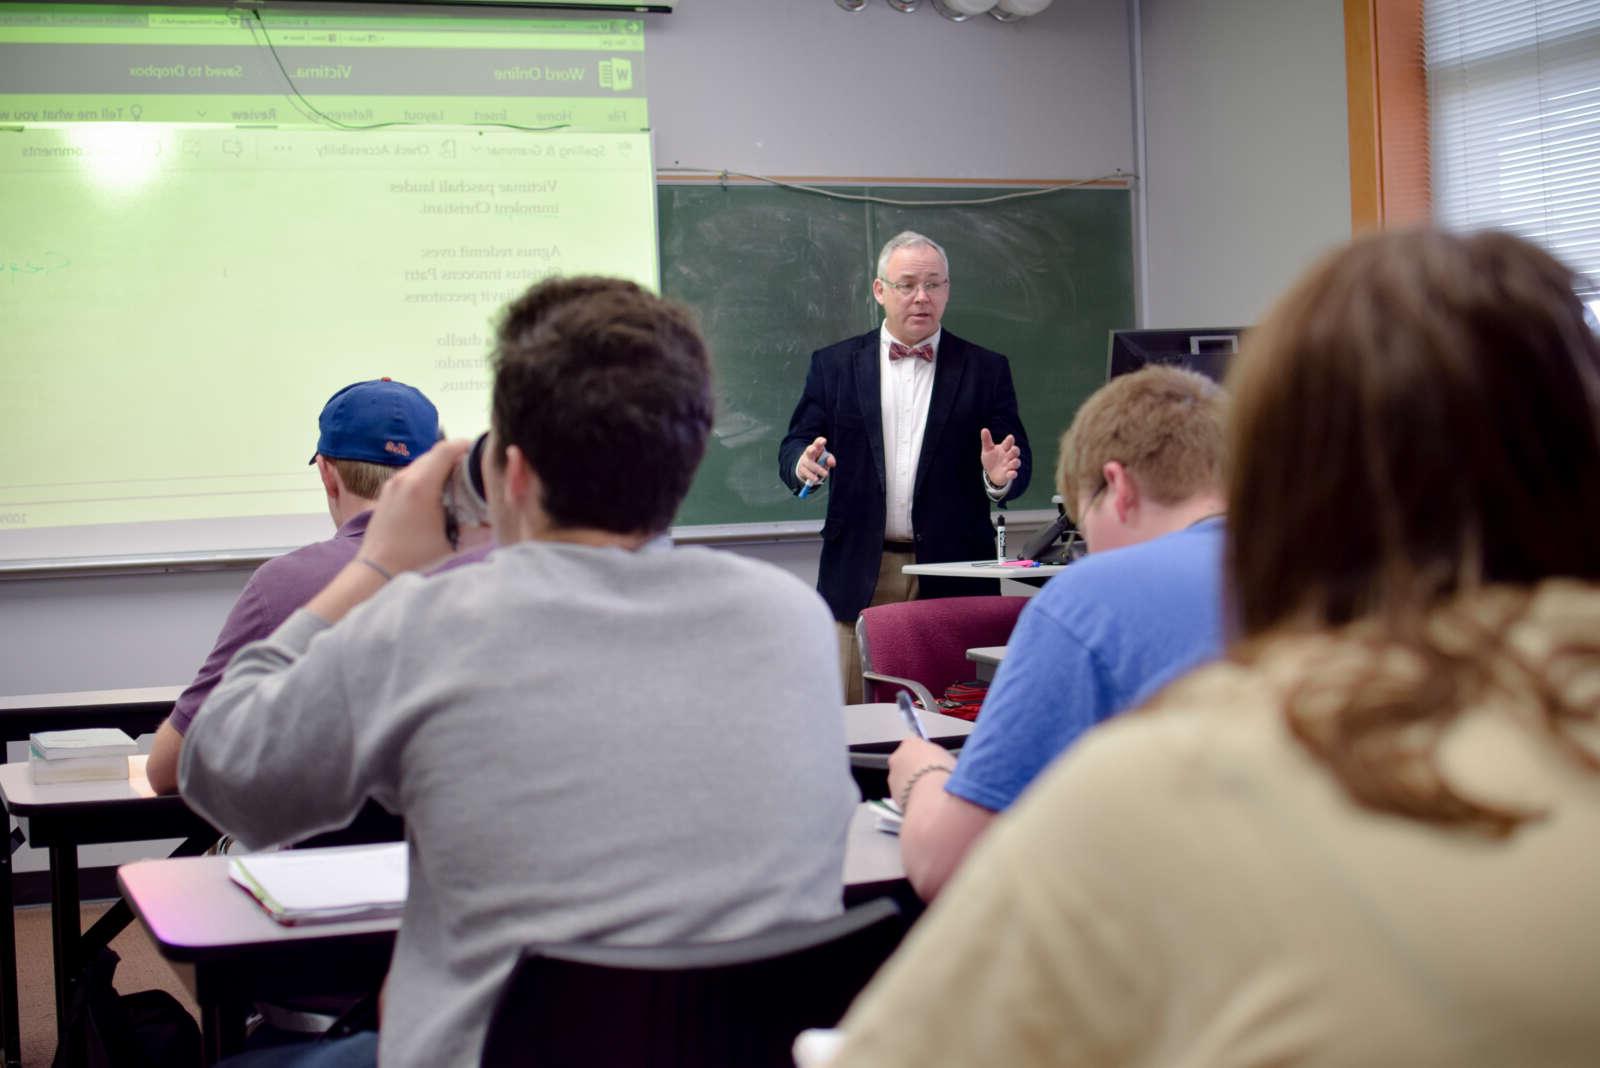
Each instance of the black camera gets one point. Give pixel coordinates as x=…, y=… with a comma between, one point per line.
x=466, y=504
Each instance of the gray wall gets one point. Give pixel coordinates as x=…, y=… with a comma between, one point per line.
x=1248, y=158
x=801, y=87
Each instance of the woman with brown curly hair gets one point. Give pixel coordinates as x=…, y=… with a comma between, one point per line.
x=1372, y=834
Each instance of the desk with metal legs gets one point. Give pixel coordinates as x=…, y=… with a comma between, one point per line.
x=62, y=816
x=230, y=953
x=135, y=711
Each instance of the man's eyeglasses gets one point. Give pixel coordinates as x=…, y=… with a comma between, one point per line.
x=908, y=289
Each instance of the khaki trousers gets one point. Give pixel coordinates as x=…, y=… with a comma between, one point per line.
x=894, y=585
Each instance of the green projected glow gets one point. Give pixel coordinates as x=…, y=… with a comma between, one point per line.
x=180, y=302
x=183, y=296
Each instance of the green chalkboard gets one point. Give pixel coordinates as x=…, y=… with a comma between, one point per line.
x=776, y=273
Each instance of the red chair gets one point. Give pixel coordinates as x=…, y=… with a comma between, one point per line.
x=922, y=646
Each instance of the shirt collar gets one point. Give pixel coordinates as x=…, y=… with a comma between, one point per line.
x=355, y=526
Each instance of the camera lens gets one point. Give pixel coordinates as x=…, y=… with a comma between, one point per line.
x=475, y=466
x=465, y=502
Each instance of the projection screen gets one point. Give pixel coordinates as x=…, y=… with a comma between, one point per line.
x=212, y=219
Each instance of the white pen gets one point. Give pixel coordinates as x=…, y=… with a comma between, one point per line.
x=908, y=712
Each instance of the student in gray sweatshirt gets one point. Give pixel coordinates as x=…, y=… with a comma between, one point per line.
x=585, y=731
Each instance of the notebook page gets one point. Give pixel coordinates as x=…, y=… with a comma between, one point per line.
x=324, y=880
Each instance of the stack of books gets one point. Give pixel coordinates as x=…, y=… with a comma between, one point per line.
x=80, y=756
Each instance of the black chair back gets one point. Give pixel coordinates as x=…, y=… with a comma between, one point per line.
x=372, y=824
x=738, y=1003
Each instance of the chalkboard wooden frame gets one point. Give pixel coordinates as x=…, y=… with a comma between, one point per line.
x=777, y=272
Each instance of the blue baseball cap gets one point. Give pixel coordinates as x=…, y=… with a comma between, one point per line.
x=381, y=422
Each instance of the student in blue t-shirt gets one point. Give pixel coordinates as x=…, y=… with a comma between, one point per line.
x=1141, y=471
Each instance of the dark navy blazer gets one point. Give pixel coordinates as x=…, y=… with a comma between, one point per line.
x=949, y=508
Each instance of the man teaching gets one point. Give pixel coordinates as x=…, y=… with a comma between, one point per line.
x=915, y=434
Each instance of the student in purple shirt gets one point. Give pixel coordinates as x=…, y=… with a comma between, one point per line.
x=369, y=430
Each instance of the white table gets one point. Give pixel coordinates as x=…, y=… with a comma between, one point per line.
x=877, y=726
x=983, y=569
x=134, y=710
x=987, y=658
x=96, y=700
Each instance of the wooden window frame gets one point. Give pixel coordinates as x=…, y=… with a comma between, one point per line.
x=1387, y=90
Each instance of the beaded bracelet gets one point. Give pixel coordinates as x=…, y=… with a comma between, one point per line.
x=911, y=783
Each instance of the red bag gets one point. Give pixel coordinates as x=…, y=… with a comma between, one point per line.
x=963, y=699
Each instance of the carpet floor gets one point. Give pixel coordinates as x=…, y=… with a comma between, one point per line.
x=142, y=968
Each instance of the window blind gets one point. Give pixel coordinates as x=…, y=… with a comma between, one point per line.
x=1514, y=99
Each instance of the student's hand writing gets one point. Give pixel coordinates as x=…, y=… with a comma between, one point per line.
x=811, y=467
x=1000, y=461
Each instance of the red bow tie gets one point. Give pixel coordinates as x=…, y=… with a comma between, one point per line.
x=898, y=351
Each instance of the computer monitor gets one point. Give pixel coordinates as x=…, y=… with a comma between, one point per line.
x=1203, y=349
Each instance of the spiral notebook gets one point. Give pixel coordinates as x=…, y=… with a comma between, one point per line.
x=889, y=816
x=323, y=885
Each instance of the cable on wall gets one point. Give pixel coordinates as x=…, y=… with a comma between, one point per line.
x=869, y=198
x=315, y=114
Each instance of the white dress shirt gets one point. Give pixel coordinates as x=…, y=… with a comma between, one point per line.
x=906, y=391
